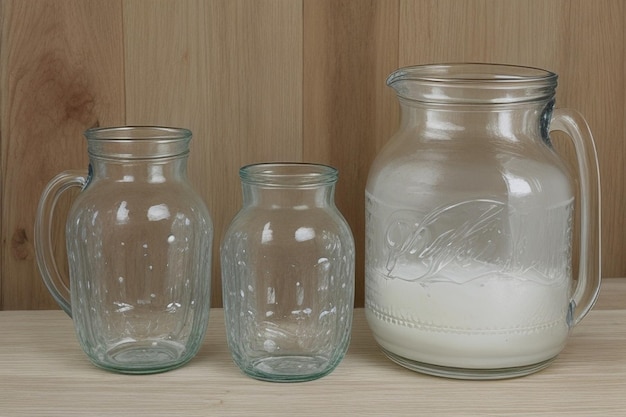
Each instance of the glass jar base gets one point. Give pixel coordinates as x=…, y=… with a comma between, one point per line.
x=467, y=373
x=144, y=357
x=292, y=368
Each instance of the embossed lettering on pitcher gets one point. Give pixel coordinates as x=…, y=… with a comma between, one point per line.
x=461, y=232
x=481, y=232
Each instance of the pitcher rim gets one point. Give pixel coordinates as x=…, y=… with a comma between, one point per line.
x=412, y=72
x=137, y=133
x=137, y=142
x=473, y=83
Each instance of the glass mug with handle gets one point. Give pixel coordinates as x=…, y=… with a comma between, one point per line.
x=139, y=242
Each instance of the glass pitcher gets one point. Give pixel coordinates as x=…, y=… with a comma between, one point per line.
x=469, y=218
x=139, y=244
x=288, y=274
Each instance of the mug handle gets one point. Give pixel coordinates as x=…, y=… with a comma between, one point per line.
x=587, y=288
x=43, y=235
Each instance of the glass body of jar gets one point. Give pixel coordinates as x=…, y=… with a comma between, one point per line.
x=288, y=274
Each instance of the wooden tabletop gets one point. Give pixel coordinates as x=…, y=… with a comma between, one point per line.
x=44, y=372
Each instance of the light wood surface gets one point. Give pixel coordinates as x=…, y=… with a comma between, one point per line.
x=263, y=80
x=44, y=372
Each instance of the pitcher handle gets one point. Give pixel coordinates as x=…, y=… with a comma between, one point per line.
x=587, y=288
x=43, y=235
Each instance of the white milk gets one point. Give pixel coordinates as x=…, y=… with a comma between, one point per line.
x=493, y=321
x=459, y=280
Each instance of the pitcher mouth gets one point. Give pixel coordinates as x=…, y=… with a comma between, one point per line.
x=138, y=142
x=137, y=133
x=473, y=83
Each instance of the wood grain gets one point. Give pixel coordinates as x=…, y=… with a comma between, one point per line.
x=44, y=371
x=61, y=72
x=231, y=71
x=349, y=49
x=274, y=80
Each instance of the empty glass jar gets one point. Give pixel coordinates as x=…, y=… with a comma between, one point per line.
x=288, y=274
x=139, y=244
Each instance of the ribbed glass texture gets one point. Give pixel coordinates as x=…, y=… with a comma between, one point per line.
x=288, y=274
x=139, y=244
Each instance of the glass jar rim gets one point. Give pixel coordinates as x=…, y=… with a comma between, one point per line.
x=288, y=174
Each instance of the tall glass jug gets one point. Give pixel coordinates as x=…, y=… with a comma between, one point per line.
x=469, y=218
x=139, y=250
x=288, y=274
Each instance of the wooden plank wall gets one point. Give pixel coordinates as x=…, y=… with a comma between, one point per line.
x=267, y=80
